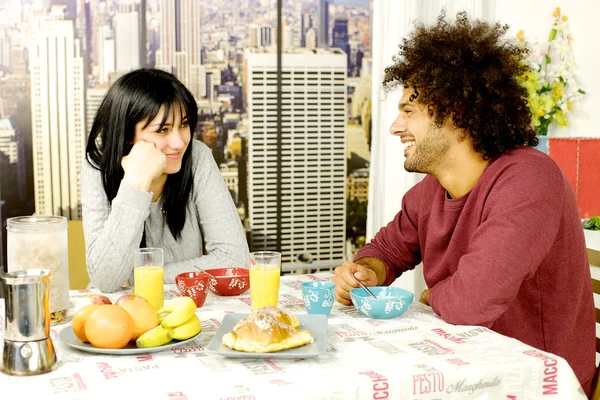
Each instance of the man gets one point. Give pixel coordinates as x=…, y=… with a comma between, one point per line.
x=495, y=222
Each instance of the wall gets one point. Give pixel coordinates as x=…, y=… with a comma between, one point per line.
x=535, y=18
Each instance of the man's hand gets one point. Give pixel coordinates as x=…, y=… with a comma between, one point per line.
x=344, y=282
x=425, y=297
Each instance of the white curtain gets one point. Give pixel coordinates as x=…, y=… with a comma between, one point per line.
x=392, y=20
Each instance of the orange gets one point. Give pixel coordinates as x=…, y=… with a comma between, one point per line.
x=80, y=318
x=143, y=315
x=109, y=327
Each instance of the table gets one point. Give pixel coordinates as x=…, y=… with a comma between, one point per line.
x=414, y=356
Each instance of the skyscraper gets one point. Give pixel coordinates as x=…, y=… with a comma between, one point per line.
x=143, y=33
x=105, y=53
x=5, y=49
x=312, y=155
x=70, y=7
x=8, y=142
x=261, y=36
x=305, y=24
x=340, y=36
x=323, y=23
x=127, y=37
x=311, y=38
x=58, y=117
x=94, y=97
x=179, y=50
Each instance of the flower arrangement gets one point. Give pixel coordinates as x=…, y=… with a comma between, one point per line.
x=551, y=80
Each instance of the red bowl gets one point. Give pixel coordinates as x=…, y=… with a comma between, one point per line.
x=229, y=281
x=194, y=285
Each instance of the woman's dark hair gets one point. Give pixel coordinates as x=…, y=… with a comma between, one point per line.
x=466, y=72
x=134, y=97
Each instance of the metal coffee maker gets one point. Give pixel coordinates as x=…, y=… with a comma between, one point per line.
x=28, y=348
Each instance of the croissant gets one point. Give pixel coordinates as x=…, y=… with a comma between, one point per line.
x=280, y=315
x=267, y=330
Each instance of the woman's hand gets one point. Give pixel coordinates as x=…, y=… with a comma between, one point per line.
x=143, y=164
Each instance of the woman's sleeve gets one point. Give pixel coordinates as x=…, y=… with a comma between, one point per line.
x=225, y=241
x=111, y=233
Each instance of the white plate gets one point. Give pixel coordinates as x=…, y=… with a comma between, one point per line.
x=316, y=324
x=67, y=336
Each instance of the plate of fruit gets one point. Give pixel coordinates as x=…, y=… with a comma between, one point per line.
x=132, y=326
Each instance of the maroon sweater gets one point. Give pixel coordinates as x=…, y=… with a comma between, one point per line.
x=509, y=255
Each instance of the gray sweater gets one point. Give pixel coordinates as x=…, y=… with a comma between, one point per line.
x=112, y=233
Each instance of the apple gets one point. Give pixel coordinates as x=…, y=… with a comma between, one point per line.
x=98, y=299
x=127, y=297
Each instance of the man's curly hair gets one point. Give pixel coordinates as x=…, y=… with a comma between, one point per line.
x=466, y=72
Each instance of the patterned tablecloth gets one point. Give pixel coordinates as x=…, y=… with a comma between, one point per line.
x=414, y=356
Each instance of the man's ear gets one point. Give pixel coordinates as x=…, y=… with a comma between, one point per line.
x=452, y=126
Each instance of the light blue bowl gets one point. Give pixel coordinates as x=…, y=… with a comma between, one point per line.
x=390, y=303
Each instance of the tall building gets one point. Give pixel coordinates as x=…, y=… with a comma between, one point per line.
x=288, y=38
x=179, y=51
x=93, y=99
x=143, y=33
x=70, y=7
x=261, y=36
x=8, y=141
x=58, y=117
x=339, y=36
x=127, y=37
x=323, y=23
x=12, y=146
x=229, y=172
x=311, y=38
x=311, y=220
x=105, y=53
x=305, y=24
x=358, y=185
x=5, y=49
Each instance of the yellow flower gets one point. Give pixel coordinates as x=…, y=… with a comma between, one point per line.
x=569, y=106
x=561, y=119
x=520, y=35
x=557, y=90
x=564, y=18
x=556, y=12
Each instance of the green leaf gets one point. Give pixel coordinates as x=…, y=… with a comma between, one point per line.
x=581, y=91
x=552, y=35
x=548, y=59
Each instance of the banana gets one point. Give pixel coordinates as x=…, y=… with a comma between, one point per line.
x=187, y=330
x=180, y=311
x=162, y=318
x=154, y=337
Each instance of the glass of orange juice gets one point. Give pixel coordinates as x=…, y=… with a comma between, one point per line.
x=149, y=275
x=265, y=272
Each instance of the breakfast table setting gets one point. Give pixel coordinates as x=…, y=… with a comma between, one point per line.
x=400, y=350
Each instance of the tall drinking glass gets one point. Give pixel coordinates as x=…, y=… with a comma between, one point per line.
x=265, y=272
x=149, y=275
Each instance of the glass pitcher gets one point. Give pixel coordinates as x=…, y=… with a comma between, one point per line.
x=41, y=242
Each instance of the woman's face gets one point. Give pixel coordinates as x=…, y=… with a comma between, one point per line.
x=172, y=138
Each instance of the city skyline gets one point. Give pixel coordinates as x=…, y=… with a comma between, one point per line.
x=206, y=45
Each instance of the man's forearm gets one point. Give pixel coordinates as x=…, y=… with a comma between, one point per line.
x=376, y=265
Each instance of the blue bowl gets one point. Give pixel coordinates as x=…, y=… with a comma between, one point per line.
x=390, y=302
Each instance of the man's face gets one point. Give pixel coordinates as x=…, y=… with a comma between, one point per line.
x=425, y=144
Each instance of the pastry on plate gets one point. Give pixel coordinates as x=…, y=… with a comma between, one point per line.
x=265, y=331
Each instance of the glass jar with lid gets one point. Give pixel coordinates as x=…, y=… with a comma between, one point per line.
x=42, y=242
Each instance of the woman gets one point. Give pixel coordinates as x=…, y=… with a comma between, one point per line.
x=146, y=183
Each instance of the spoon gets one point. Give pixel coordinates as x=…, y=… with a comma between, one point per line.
x=201, y=270
x=363, y=286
